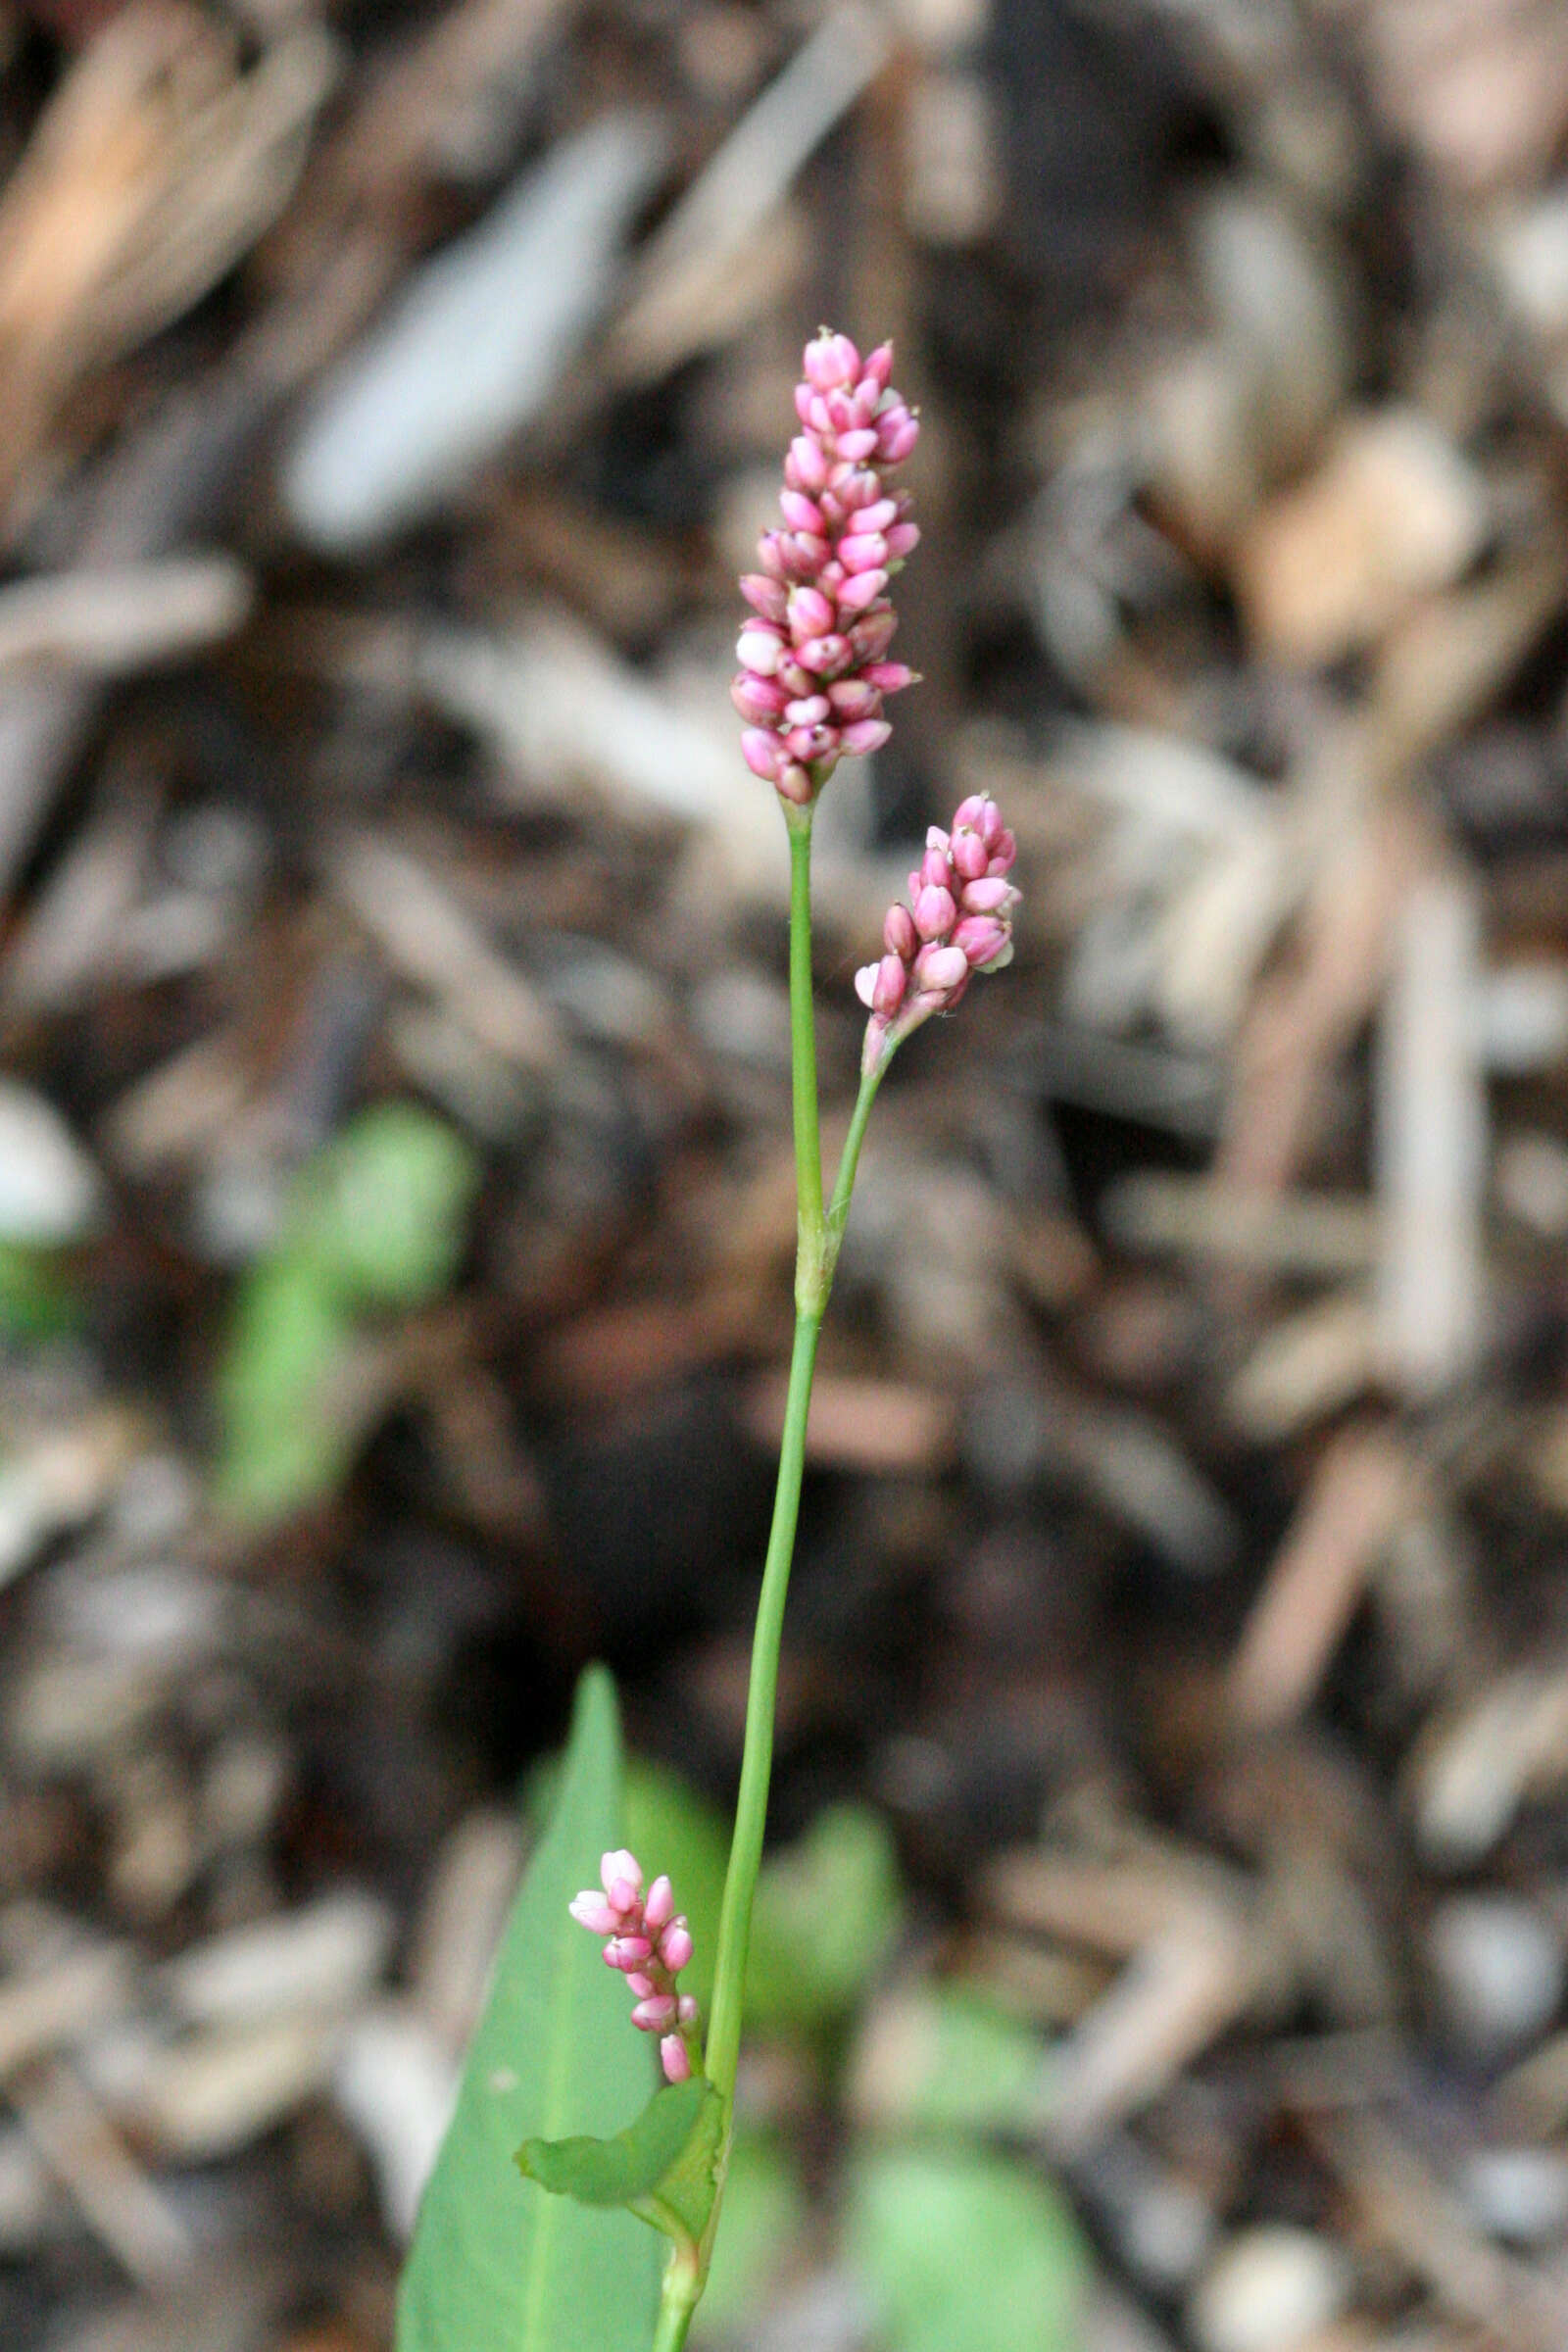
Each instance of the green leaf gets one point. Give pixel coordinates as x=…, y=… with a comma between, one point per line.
x=825, y=1912
x=383, y=1210
x=943, y=2057
x=961, y=2248
x=763, y=2217
x=619, y=2171
x=671, y=1829
x=497, y=2265
x=282, y=1444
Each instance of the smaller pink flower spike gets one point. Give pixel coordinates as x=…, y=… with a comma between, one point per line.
x=958, y=922
x=648, y=1940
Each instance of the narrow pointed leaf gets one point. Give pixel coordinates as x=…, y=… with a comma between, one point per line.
x=497, y=2265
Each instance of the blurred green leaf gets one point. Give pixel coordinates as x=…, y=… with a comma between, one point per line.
x=966, y=2252
x=37, y=1299
x=671, y=1829
x=827, y=1909
x=282, y=1445
x=943, y=2057
x=383, y=1210
x=763, y=2217
x=497, y=2265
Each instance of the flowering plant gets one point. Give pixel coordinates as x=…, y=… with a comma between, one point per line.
x=489, y=2276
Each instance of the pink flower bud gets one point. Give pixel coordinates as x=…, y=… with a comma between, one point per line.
x=674, y=2058
x=831, y=361
x=934, y=867
x=864, y=552
x=764, y=596
x=859, y=488
x=864, y=736
x=655, y=2015
x=890, y=678
x=592, y=1911
x=887, y=993
x=675, y=1946
x=639, y=1984
x=687, y=2009
x=621, y=1864
x=982, y=938
x=855, y=698
x=757, y=700
x=819, y=654
x=899, y=934
x=760, y=647
x=935, y=911
x=903, y=540
x=1004, y=852
x=939, y=969
x=810, y=465
x=897, y=432
x=970, y=856
x=878, y=365
x=809, y=712
x=860, y=591
x=801, y=513
x=761, y=754
x=871, y=636
x=797, y=783
x=972, y=814
x=627, y=1952
x=810, y=743
x=989, y=895
x=810, y=613
x=659, y=1908
x=877, y=517
x=859, y=441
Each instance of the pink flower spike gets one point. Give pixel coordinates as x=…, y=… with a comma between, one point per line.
x=958, y=922
x=675, y=2058
x=819, y=594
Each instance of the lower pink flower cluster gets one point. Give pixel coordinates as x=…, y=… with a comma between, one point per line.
x=650, y=1943
x=958, y=921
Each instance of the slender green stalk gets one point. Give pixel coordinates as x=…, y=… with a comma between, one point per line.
x=678, y=2300
x=839, y=1206
x=819, y=1235
x=757, y=1762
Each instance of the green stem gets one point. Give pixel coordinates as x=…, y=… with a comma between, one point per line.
x=839, y=1208
x=677, y=2302
x=757, y=1761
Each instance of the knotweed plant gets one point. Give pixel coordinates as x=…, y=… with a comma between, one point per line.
x=814, y=676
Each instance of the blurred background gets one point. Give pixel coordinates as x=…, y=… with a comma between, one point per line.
x=396, y=1201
